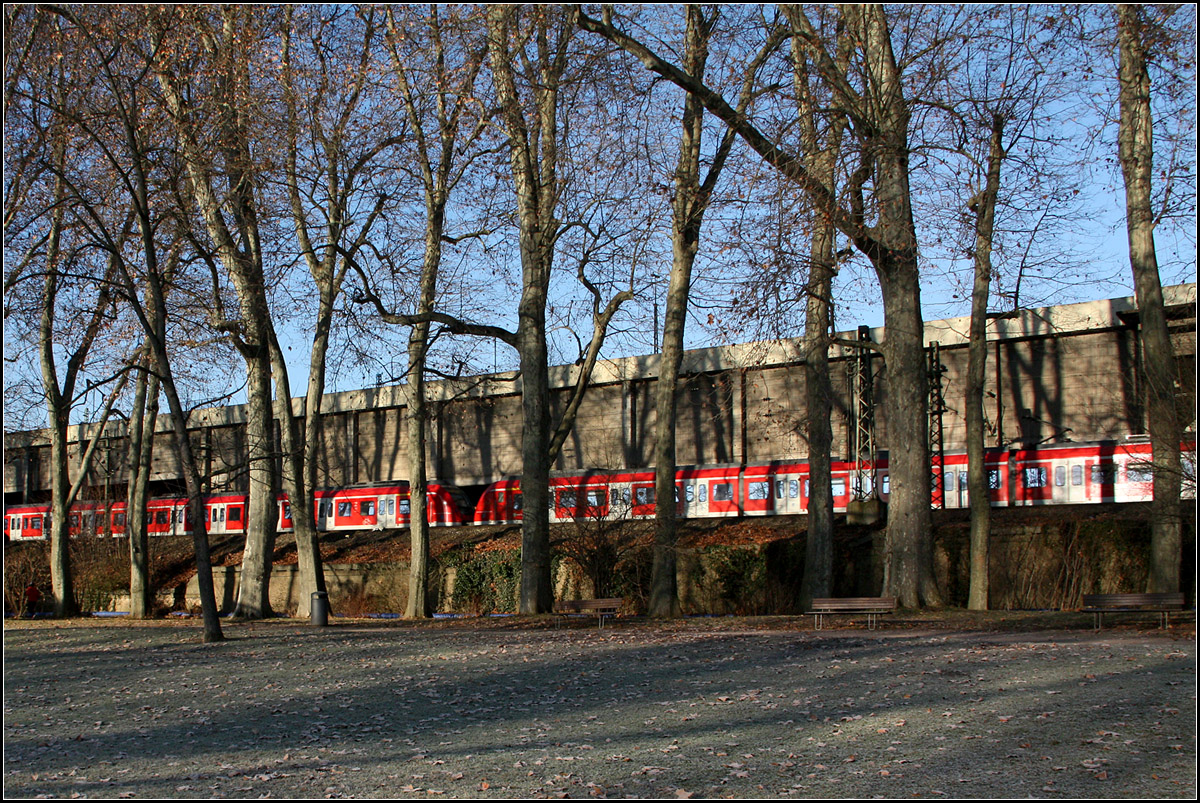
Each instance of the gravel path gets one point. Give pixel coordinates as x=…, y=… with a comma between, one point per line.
x=282, y=709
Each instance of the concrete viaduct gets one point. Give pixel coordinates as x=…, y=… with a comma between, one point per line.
x=1055, y=373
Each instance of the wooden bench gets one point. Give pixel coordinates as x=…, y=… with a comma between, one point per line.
x=1100, y=604
x=599, y=608
x=873, y=607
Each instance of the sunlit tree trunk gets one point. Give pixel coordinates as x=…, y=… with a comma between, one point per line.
x=1136, y=151
x=978, y=492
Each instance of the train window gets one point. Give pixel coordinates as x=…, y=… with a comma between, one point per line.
x=118, y=519
x=994, y=479
x=516, y=501
x=615, y=496
x=962, y=480
x=566, y=499
x=676, y=494
x=594, y=499
x=779, y=489
x=758, y=490
x=689, y=493
x=887, y=483
x=366, y=507
x=703, y=490
x=391, y=506
x=287, y=510
x=16, y=524
x=1077, y=475
x=160, y=517
x=343, y=508
x=1060, y=476
x=35, y=523
x=1035, y=477
x=793, y=489
x=723, y=492
x=838, y=486
x=405, y=507
x=645, y=495
x=1104, y=474
x=235, y=514
x=73, y=520
x=1138, y=473
x=807, y=490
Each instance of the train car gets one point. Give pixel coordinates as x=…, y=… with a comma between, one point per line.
x=500, y=503
x=381, y=507
x=1081, y=474
x=22, y=522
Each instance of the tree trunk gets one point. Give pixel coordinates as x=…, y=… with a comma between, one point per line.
x=533, y=155
x=818, y=399
x=254, y=601
x=1136, y=150
x=688, y=214
x=419, y=603
x=977, y=481
x=908, y=559
x=141, y=452
x=892, y=249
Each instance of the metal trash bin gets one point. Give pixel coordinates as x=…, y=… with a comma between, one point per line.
x=319, y=608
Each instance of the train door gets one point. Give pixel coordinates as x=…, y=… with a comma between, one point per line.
x=1070, y=481
x=950, y=498
x=215, y=516
x=387, y=510
x=324, y=513
x=688, y=500
x=620, y=501
x=961, y=497
x=787, y=494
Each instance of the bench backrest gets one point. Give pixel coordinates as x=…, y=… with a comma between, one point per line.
x=582, y=605
x=1162, y=600
x=854, y=603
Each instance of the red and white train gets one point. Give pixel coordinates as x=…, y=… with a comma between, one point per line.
x=367, y=507
x=1066, y=473
x=1054, y=474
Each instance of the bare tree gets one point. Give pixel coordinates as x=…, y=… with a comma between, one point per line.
x=871, y=93
x=530, y=53
x=123, y=208
x=821, y=143
x=436, y=63
x=694, y=190
x=340, y=127
x=1139, y=30
x=213, y=127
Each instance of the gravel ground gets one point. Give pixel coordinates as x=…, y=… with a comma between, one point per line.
x=711, y=708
